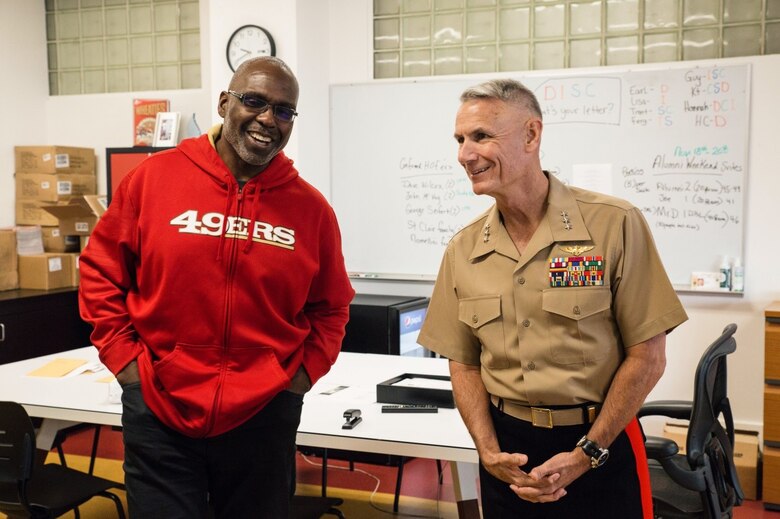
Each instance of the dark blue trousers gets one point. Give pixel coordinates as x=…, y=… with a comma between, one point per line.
x=247, y=472
x=612, y=491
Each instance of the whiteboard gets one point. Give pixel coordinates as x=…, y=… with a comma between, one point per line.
x=672, y=141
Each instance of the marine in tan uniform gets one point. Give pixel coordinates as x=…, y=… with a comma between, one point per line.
x=553, y=308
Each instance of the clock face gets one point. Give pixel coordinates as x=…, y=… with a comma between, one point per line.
x=249, y=41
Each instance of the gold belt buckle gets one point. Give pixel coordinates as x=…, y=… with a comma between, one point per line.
x=541, y=417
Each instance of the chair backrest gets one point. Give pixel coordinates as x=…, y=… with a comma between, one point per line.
x=709, y=442
x=17, y=443
x=17, y=455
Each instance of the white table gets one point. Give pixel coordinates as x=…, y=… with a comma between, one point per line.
x=83, y=398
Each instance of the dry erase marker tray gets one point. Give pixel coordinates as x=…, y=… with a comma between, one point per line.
x=413, y=388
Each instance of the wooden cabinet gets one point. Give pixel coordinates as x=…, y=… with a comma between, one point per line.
x=39, y=322
x=771, y=486
x=771, y=471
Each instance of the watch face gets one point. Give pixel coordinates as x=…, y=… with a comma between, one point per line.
x=249, y=41
x=601, y=459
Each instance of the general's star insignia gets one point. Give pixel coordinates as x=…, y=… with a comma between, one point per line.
x=576, y=250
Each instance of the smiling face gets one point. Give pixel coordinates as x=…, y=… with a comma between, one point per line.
x=498, y=145
x=250, y=140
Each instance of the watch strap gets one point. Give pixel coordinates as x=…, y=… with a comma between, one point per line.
x=598, y=456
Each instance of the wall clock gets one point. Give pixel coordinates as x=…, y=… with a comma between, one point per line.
x=246, y=42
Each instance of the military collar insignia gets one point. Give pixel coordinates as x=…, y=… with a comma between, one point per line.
x=566, y=222
x=486, y=233
x=576, y=250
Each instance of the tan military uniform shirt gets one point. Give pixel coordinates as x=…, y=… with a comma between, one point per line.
x=542, y=344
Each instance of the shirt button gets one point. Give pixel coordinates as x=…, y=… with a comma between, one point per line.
x=521, y=281
x=526, y=323
x=474, y=319
x=576, y=310
x=531, y=366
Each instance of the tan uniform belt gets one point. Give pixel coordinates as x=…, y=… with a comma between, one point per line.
x=548, y=418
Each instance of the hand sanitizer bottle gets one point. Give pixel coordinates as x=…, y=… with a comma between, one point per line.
x=737, y=276
x=725, y=273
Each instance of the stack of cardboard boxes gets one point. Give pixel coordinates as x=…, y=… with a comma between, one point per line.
x=56, y=190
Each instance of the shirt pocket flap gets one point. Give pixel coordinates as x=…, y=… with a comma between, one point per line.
x=477, y=311
x=577, y=303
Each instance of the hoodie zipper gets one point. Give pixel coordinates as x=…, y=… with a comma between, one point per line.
x=231, y=263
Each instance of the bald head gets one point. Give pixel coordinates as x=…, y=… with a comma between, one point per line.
x=262, y=64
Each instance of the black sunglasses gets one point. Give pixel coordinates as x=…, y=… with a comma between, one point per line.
x=260, y=105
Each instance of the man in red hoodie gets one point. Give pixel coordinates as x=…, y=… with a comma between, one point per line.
x=216, y=286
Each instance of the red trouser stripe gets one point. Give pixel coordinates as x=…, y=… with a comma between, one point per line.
x=635, y=436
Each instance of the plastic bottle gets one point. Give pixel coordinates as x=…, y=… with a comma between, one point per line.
x=725, y=273
x=737, y=276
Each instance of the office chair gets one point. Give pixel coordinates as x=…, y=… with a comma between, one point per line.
x=703, y=482
x=43, y=491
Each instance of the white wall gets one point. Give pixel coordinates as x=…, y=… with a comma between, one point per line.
x=329, y=42
x=23, y=89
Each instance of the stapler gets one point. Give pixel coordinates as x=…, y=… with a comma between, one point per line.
x=352, y=417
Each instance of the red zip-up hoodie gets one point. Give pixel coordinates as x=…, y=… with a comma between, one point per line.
x=219, y=293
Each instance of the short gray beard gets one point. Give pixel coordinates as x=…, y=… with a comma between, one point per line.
x=247, y=156
x=232, y=135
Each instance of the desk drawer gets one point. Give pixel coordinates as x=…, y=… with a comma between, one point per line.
x=772, y=352
x=772, y=415
x=771, y=476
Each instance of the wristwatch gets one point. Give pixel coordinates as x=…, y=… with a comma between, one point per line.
x=598, y=456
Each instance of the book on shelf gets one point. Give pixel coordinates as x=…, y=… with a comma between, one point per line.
x=144, y=118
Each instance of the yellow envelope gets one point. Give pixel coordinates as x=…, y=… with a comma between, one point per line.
x=57, y=368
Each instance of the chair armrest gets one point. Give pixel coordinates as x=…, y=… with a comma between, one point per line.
x=665, y=450
x=658, y=448
x=680, y=409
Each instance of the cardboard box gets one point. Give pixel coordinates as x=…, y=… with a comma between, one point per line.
x=55, y=241
x=45, y=271
x=79, y=216
x=54, y=159
x=30, y=212
x=9, y=274
x=53, y=188
x=98, y=203
x=746, y=455
x=75, y=276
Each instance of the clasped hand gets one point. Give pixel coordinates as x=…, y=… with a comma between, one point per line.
x=543, y=484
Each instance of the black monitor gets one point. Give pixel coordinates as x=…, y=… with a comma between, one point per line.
x=386, y=324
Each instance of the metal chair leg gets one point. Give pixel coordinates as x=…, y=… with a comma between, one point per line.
x=398, y=483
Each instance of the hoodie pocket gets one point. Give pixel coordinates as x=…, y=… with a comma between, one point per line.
x=189, y=376
x=253, y=376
